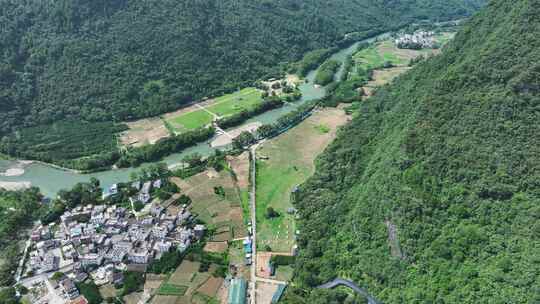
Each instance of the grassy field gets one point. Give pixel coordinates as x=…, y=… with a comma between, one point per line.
x=168, y=289
x=284, y=273
x=375, y=56
x=236, y=102
x=443, y=38
x=189, y=121
x=290, y=161
x=222, y=106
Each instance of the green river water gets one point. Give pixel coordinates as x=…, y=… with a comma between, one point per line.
x=50, y=179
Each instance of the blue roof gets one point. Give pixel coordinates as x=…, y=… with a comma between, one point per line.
x=237, y=291
x=279, y=292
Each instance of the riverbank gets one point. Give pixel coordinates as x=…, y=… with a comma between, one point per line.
x=14, y=186
x=17, y=169
x=52, y=178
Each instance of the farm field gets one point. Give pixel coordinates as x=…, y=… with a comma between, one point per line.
x=188, y=285
x=168, y=289
x=283, y=163
x=376, y=55
x=144, y=131
x=236, y=102
x=222, y=211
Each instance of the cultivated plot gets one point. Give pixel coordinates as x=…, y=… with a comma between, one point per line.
x=216, y=201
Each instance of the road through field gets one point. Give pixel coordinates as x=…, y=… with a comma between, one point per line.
x=253, y=277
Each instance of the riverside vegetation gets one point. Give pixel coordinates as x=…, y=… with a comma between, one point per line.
x=74, y=67
x=430, y=194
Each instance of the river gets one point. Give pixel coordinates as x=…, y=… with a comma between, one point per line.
x=50, y=179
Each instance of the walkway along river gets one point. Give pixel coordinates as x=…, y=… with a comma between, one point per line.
x=50, y=179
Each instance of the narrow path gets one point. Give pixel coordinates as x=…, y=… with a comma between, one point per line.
x=206, y=110
x=337, y=282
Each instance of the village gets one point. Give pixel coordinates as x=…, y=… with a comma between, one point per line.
x=416, y=41
x=102, y=241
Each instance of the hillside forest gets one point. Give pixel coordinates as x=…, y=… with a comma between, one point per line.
x=431, y=193
x=73, y=70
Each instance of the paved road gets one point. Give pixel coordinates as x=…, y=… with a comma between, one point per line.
x=44, y=276
x=353, y=286
x=271, y=281
x=253, y=269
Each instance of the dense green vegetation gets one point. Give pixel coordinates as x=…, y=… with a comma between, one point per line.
x=430, y=195
x=90, y=291
x=111, y=61
x=18, y=210
x=326, y=72
x=77, y=139
x=239, y=118
x=286, y=121
x=312, y=60
x=163, y=147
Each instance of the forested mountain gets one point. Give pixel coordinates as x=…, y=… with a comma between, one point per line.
x=431, y=194
x=100, y=61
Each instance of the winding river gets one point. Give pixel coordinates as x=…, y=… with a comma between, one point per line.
x=50, y=179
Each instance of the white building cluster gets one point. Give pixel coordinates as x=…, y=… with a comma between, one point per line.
x=103, y=240
x=418, y=40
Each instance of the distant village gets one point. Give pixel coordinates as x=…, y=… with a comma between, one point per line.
x=417, y=40
x=103, y=241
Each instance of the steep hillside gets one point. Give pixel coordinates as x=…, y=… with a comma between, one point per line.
x=103, y=61
x=431, y=194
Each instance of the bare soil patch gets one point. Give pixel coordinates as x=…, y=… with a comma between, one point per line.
x=382, y=77
x=144, y=131
x=184, y=274
x=188, y=109
x=133, y=298
x=14, y=186
x=153, y=282
x=159, y=299
x=393, y=241
x=107, y=291
x=211, y=286
x=404, y=54
x=222, y=294
x=218, y=247
x=240, y=165
x=265, y=292
x=263, y=258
